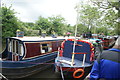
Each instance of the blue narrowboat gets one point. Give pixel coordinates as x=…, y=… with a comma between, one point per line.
x=25, y=56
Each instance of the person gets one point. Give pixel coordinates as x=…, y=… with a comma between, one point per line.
x=68, y=34
x=107, y=64
x=90, y=34
x=84, y=35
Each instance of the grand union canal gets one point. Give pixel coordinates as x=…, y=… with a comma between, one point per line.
x=47, y=74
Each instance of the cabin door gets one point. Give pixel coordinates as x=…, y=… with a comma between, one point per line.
x=15, y=47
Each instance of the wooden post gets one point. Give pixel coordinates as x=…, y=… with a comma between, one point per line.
x=84, y=57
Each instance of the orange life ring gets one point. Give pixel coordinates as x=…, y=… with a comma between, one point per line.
x=78, y=70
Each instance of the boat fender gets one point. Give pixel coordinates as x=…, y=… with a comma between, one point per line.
x=78, y=70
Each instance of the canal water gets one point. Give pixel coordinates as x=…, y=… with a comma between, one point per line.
x=47, y=74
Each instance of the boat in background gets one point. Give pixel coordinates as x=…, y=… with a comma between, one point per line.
x=25, y=56
x=108, y=41
x=75, y=64
x=98, y=46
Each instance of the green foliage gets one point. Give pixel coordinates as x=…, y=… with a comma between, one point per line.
x=81, y=29
x=100, y=17
x=10, y=23
x=69, y=28
x=42, y=24
x=89, y=16
x=29, y=29
x=57, y=24
x=51, y=24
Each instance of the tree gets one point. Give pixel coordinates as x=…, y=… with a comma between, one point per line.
x=58, y=24
x=42, y=24
x=111, y=12
x=81, y=29
x=29, y=29
x=10, y=23
x=88, y=16
x=52, y=24
x=116, y=5
x=100, y=14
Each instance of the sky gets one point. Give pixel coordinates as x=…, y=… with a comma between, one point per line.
x=30, y=10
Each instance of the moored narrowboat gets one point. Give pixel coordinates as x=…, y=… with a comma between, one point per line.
x=75, y=59
x=108, y=42
x=25, y=56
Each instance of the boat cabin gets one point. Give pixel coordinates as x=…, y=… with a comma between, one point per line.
x=18, y=48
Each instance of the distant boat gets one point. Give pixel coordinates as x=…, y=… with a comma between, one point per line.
x=28, y=55
x=77, y=64
x=108, y=42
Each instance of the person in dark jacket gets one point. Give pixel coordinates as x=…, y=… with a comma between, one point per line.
x=107, y=64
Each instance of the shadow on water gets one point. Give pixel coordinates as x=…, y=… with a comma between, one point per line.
x=47, y=74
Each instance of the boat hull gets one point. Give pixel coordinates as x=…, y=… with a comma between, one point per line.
x=20, y=69
x=69, y=75
x=69, y=70
x=23, y=72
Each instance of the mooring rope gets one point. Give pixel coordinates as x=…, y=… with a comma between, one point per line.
x=35, y=63
x=3, y=76
x=61, y=72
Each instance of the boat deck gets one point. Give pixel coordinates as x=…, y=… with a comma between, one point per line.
x=66, y=62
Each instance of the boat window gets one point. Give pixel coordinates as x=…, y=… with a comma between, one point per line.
x=9, y=45
x=46, y=47
x=21, y=49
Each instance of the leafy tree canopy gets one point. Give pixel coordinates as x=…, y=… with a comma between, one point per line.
x=10, y=23
x=100, y=14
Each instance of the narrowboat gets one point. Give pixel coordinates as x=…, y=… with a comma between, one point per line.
x=75, y=59
x=98, y=46
x=25, y=56
x=108, y=42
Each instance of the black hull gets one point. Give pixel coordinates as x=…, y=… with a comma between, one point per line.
x=14, y=73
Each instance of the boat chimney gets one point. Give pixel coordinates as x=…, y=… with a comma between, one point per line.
x=19, y=34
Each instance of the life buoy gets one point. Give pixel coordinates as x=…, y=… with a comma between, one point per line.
x=78, y=70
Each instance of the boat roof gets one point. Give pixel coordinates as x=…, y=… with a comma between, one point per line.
x=26, y=38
